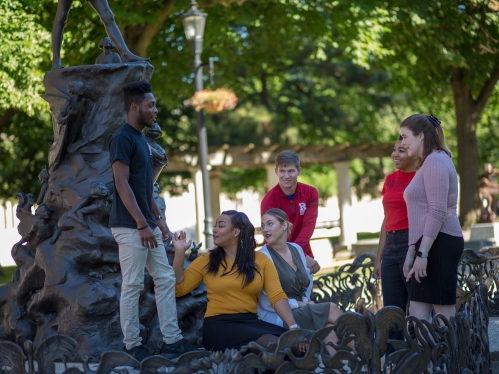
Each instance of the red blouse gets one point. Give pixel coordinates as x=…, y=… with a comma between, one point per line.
x=393, y=200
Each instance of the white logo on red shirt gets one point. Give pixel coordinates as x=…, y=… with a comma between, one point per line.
x=303, y=208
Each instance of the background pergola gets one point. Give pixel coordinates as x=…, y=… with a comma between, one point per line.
x=254, y=157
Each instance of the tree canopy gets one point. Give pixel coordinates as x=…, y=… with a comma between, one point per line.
x=305, y=72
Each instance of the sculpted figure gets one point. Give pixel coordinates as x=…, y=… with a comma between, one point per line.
x=98, y=205
x=159, y=200
x=106, y=15
x=44, y=178
x=107, y=57
x=159, y=158
x=45, y=227
x=25, y=201
x=486, y=187
x=67, y=126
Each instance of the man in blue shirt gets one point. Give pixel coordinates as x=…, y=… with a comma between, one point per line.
x=138, y=228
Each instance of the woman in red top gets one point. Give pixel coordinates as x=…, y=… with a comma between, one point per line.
x=394, y=235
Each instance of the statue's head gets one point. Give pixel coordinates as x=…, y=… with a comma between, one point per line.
x=29, y=197
x=43, y=211
x=155, y=132
x=76, y=88
x=98, y=189
x=44, y=174
x=106, y=43
x=487, y=168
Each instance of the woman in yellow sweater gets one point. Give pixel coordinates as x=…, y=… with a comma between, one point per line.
x=234, y=275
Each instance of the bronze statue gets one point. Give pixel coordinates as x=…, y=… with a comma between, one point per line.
x=156, y=194
x=44, y=178
x=107, y=57
x=43, y=228
x=159, y=158
x=69, y=122
x=106, y=15
x=25, y=201
x=97, y=206
x=486, y=188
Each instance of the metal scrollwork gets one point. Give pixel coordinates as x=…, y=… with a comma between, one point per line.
x=439, y=346
x=353, y=287
x=479, y=268
x=361, y=345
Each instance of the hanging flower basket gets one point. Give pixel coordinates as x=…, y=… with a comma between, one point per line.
x=214, y=101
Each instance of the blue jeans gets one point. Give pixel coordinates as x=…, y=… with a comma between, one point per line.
x=395, y=288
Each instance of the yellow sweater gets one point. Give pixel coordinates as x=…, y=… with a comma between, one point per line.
x=226, y=294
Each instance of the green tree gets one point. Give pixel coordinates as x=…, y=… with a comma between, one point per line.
x=314, y=72
x=24, y=48
x=444, y=53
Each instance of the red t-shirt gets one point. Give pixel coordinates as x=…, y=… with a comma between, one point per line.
x=393, y=200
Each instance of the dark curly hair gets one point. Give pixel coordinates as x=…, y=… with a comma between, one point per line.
x=244, y=263
x=134, y=92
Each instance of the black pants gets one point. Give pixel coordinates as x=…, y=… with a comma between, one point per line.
x=395, y=288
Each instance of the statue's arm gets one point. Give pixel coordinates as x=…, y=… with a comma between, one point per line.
x=31, y=232
x=74, y=213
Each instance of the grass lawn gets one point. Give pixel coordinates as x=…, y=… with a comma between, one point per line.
x=8, y=270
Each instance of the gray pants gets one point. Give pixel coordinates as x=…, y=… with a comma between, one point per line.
x=133, y=259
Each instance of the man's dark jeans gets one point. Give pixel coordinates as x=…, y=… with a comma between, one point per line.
x=395, y=288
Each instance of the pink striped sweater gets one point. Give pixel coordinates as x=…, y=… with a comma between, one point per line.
x=431, y=199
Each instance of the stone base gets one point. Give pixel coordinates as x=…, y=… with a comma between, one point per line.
x=476, y=245
x=485, y=231
x=364, y=246
x=494, y=338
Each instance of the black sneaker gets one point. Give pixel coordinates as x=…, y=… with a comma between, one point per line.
x=176, y=349
x=139, y=352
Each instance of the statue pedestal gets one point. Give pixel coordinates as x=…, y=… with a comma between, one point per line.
x=485, y=231
x=483, y=235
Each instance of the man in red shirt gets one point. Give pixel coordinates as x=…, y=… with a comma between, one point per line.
x=300, y=202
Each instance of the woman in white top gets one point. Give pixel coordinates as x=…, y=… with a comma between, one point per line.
x=295, y=277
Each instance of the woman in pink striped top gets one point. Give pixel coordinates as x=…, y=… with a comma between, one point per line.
x=435, y=236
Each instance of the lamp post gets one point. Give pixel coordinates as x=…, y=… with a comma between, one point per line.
x=194, y=21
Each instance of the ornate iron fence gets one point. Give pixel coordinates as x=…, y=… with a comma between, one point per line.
x=459, y=346
x=352, y=287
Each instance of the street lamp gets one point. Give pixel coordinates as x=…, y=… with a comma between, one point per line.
x=194, y=21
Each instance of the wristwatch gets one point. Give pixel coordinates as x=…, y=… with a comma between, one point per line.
x=159, y=217
x=295, y=326
x=421, y=254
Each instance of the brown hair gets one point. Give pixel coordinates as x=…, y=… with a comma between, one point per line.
x=281, y=216
x=287, y=158
x=434, y=138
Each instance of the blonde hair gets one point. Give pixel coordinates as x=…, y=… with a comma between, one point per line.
x=281, y=216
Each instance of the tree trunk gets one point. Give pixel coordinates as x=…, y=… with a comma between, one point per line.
x=468, y=113
x=264, y=94
x=139, y=37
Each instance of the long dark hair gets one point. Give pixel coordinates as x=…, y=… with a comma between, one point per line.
x=245, y=255
x=434, y=138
